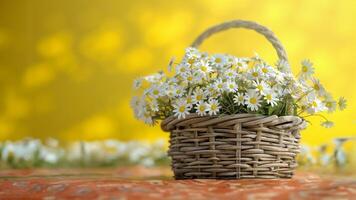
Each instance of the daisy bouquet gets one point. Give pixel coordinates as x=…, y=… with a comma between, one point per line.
x=222, y=84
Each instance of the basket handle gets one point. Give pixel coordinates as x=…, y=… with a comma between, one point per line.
x=269, y=35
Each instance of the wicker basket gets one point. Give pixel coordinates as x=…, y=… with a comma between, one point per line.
x=234, y=146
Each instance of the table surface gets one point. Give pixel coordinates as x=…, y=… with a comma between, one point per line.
x=138, y=182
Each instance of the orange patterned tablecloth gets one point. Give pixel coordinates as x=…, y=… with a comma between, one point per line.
x=155, y=183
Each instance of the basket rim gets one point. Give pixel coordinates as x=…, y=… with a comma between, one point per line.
x=249, y=119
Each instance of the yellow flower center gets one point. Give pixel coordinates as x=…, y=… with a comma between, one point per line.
x=199, y=97
x=314, y=104
x=213, y=107
x=218, y=60
x=269, y=97
x=253, y=100
x=203, y=68
x=264, y=70
x=201, y=108
x=181, y=109
x=254, y=74
x=316, y=87
x=191, y=60
x=328, y=104
x=189, y=100
x=155, y=92
x=259, y=87
x=304, y=69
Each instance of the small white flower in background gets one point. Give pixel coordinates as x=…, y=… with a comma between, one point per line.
x=213, y=107
x=342, y=103
x=239, y=98
x=327, y=124
x=201, y=108
x=252, y=100
x=181, y=109
x=307, y=69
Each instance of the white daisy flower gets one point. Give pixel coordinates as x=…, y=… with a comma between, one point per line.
x=219, y=85
x=314, y=104
x=204, y=67
x=327, y=124
x=156, y=91
x=147, y=118
x=178, y=91
x=252, y=100
x=154, y=105
x=199, y=95
x=155, y=77
x=342, y=103
x=181, y=109
x=211, y=91
x=241, y=64
x=201, y=108
x=307, y=69
x=283, y=66
x=318, y=87
x=182, y=69
x=271, y=97
x=254, y=73
x=239, y=98
x=260, y=86
x=230, y=73
x=231, y=86
x=189, y=100
x=213, y=107
x=266, y=70
x=330, y=103
x=278, y=77
x=218, y=60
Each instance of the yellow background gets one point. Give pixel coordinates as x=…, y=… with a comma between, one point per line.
x=66, y=67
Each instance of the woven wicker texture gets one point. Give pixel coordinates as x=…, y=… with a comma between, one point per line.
x=233, y=146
